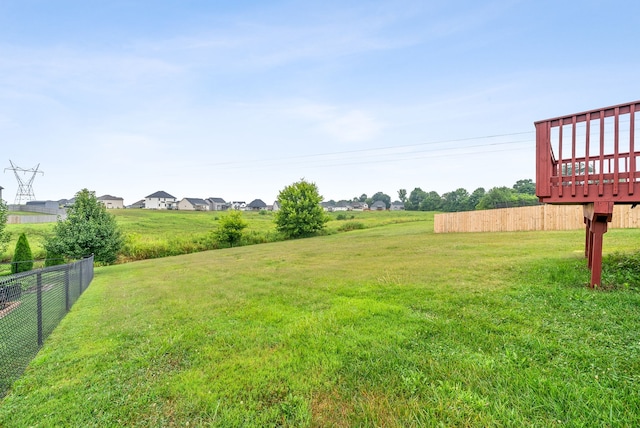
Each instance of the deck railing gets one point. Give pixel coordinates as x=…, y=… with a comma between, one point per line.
x=589, y=156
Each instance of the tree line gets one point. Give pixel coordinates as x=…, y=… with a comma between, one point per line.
x=522, y=193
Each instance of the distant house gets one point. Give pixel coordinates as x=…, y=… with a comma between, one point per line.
x=342, y=206
x=256, y=205
x=328, y=206
x=359, y=206
x=112, y=202
x=160, y=200
x=139, y=204
x=378, y=206
x=193, y=204
x=238, y=205
x=275, y=206
x=217, y=204
x=397, y=206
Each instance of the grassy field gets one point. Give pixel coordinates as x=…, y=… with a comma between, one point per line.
x=159, y=233
x=384, y=326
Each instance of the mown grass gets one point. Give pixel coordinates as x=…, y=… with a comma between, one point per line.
x=386, y=326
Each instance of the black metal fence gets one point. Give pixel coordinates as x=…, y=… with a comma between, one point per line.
x=31, y=305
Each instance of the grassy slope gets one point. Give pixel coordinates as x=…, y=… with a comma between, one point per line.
x=389, y=326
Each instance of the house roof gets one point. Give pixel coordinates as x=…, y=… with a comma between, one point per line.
x=257, y=203
x=217, y=200
x=160, y=194
x=196, y=201
x=109, y=198
x=398, y=203
x=377, y=204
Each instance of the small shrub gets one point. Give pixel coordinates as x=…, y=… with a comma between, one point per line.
x=351, y=225
x=621, y=270
x=341, y=216
x=22, y=257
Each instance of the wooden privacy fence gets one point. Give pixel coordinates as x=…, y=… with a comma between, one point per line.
x=539, y=217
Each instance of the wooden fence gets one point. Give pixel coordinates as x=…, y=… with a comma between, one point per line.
x=540, y=217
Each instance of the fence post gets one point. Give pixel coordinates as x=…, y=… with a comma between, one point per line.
x=80, y=277
x=67, y=298
x=39, y=306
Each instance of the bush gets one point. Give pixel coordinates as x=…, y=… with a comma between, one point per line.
x=621, y=270
x=88, y=229
x=230, y=228
x=53, y=259
x=300, y=213
x=341, y=216
x=22, y=257
x=351, y=225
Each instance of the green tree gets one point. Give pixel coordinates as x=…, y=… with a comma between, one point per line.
x=455, y=201
x=300, y=212
x=402, y=195
x=88, y=229
x=474, y=198
x=432, y=201
x=230, y=228
x=22, y=260
x=498, y=197
x=4, y=235
x=416, y=197
x=526, y=186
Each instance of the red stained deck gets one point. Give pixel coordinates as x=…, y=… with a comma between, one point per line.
x=590, y=159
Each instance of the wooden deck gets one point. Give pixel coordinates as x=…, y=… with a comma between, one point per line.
x=590, y=159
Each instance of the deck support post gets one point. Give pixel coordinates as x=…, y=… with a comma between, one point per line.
x=596, y=218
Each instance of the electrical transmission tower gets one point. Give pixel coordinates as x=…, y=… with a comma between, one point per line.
x=25, y=187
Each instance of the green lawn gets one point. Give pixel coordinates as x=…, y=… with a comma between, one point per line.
x=385, y=326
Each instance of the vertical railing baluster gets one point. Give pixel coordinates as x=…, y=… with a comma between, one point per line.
x=632, y=149
x=616, y=149
x=601, y=180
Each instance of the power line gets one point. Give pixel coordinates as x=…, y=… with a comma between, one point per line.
x=378, y=151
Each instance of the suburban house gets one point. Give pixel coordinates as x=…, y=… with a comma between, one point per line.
x=342, y=206
x=275, y=206
x=160, y=200
x=217, y=204
x=328, y=206
x=256, y=205
x=112, y=202
x=359, y=206
x=397, y=206
x=378, y=206
x=139, y=204
x=238, y=205
x=193, y=204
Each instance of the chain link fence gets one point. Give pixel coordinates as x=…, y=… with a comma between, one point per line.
x=32, y=304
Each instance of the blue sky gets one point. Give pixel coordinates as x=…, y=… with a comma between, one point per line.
x=239, y=99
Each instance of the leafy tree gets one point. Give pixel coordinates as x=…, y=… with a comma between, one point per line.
x=300, y=212
x=455, y=201
x=22, y=260
x=416, y=197
x=497, y=197
x=230, y=228
x=88, y=229
x=402, y=195
x=474, y=198
x=4, y=235
x=431, y=202
x=526, y=186
x=363, y=198
x=381, y=197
